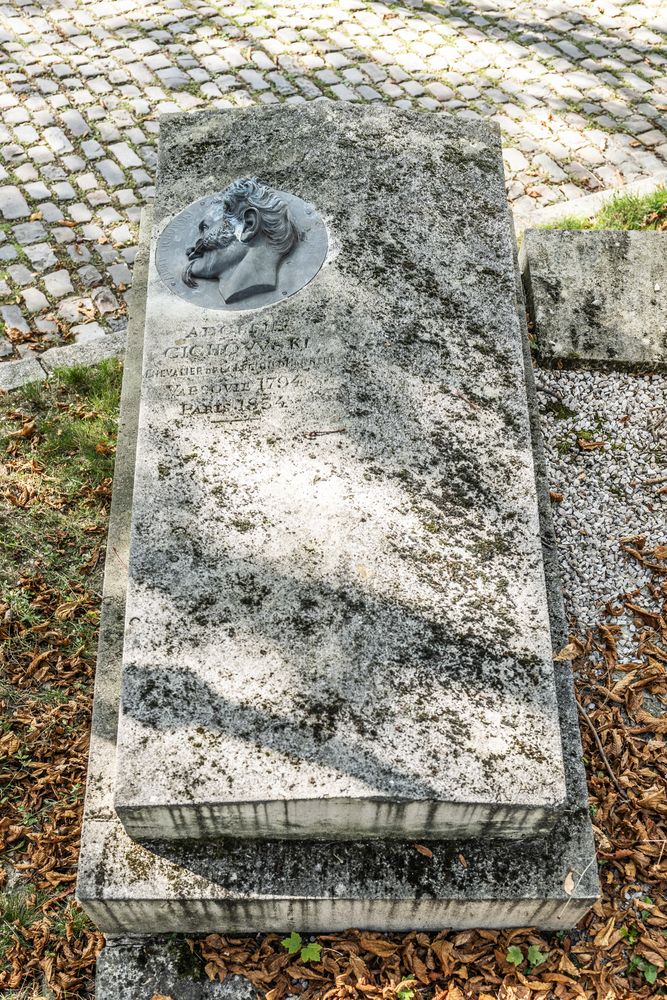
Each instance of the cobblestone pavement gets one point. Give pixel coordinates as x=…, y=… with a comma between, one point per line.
x=579, y=91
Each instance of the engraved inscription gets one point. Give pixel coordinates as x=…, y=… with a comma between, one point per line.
x=240, y=380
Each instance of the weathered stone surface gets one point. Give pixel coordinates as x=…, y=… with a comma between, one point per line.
x=14, y=374
x=598, y=296
x=109, y=346
x=315, y=886
x=339, y=619
x=136, y=969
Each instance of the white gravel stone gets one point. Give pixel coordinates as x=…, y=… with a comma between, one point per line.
x=609, y=493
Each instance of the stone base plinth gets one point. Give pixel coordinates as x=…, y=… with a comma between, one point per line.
x=237, y=886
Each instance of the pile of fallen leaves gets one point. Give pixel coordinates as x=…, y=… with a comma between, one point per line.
x=43, y=760
x=55, y=490
x=619, y=950
x=46, y=669
x=656, y=219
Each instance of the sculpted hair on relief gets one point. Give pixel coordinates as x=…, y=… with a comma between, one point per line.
x=275, y=220
x=226, y=211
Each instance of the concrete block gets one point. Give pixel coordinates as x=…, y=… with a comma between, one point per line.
x=598, y=297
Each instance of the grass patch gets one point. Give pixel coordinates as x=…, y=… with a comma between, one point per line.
x=59, y=442
x=624, y=211
x=57, y=450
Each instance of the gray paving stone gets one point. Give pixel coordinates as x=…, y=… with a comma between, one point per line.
x=75, y=309
x=26, y=134
x=13, y=319
x=344, y=93
x=57, y=140
x=652, y=138
x=63, y=234
x=105, y=300
x=89, y=276
x=34, y=300
x=37, y=191
x=79, y=253
x=75, y=122
x=91, y=231
x=46, y=326
x=124, y=154
x=106, y=253
x=41, y=256
x=92, y=149
x=29, y=232
x=12, y=203
x=79, y=212
x=120, y=274
x=26, y=172
x=58, y=283
x=111, y=172
x=20, y=274
x=85, y=332
x=63, y=191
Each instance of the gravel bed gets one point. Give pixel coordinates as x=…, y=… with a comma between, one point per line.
x=605, y=438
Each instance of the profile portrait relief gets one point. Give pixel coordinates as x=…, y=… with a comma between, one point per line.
x=245, y=247
x=243, y=239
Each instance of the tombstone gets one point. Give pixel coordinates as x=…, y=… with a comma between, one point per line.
x=331, y=602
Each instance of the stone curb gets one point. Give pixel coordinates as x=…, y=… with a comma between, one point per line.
x=15, y=374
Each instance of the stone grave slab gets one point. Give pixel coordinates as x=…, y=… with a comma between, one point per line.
x=153, y=889
x=338, y=620
x=598, y=297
